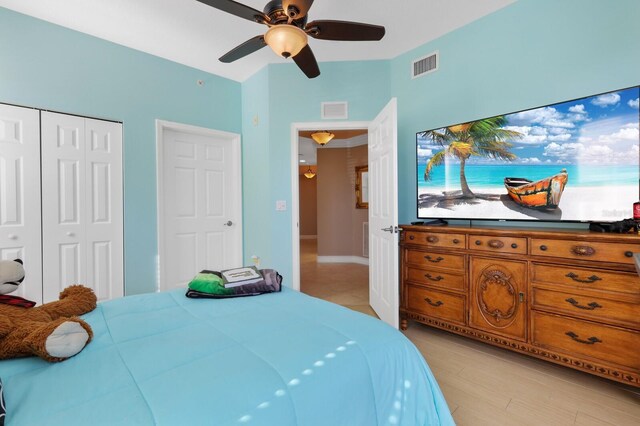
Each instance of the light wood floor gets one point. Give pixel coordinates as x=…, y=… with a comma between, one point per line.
x=482, y=384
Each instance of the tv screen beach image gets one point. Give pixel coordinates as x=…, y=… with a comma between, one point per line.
x=571, y=161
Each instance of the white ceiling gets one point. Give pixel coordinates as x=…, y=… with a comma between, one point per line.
x=194, y=34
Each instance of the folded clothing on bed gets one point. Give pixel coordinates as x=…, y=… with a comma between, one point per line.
x=209, y=284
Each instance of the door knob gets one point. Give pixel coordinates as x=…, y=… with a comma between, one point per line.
x=12, y=236
x=227, y=223
x=389, y=229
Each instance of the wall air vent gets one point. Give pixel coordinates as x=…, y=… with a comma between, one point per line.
x=334, y=110
x=425, y=65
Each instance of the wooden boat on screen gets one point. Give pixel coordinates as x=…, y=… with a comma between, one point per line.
x=542, y=194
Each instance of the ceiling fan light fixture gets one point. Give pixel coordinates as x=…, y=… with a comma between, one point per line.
x=309, y=174
x=286, y=40
x=323, y=137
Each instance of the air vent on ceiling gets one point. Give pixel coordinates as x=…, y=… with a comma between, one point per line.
x=425, y=65
x=334, y=110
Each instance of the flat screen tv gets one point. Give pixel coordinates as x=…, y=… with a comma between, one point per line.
x=571, y=161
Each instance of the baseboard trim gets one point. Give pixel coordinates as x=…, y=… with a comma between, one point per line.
x=308, y=237
x=343, y=259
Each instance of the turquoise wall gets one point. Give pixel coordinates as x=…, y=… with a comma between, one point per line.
x=46, y=66
x=531, y=53
x=256, y=189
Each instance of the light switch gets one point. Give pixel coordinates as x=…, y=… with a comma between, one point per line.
x=281, y=205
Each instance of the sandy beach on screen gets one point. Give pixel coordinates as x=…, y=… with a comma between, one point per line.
x=595, y=203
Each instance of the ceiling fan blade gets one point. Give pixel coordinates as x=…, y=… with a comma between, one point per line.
x=296, y=9
x=344, y=30
x=306, y=61
x=237, y=9
x=249, y=46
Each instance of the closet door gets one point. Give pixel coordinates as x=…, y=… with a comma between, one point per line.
x=63, y=203
x=82, y=205
x=20, y=195
x=104, y=209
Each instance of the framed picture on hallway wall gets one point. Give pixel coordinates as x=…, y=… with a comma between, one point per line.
x=362, y=187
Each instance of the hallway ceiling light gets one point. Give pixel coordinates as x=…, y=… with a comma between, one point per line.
x=309, y=174
x=323, y=137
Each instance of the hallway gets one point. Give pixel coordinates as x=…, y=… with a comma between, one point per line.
x=345, y=284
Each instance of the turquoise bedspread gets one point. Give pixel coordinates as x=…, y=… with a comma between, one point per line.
x=276, y=359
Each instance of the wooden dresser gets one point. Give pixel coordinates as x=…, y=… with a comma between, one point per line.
x=569, y=297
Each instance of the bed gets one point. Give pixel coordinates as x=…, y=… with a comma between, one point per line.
x=275, y=359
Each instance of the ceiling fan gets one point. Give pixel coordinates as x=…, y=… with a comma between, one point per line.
x=288, y=31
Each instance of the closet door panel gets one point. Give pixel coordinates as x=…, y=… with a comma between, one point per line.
x=20, y=236
x=104, y=213
x=64, y=204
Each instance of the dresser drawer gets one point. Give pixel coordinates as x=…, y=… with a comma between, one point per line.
x=586, y=278
x=436, y=304
x=435, y=278
x=498, y=244
x=595, y=251
x=435, y=239
x=586, y=339
x=592, y=308
x=439, y=260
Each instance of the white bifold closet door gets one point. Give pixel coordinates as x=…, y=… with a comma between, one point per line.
x=82, y=211
x=20, y=230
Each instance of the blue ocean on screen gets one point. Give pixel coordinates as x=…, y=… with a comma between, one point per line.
x=488, y=176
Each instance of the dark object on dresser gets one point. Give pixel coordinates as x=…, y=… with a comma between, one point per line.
x=621, y=227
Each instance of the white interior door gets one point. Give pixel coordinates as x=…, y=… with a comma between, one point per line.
x=383, y=215
x=200, y=191
x=82, y=205
x=20, y=236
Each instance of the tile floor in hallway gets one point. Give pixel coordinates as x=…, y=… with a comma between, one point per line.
x=485, y=385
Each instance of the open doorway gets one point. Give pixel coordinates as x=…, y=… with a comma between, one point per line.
x=384, y=295
x=333, y=218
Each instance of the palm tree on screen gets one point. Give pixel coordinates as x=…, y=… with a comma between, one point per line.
x=482, y=138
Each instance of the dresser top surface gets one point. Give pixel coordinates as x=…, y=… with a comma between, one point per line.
x=559, y=233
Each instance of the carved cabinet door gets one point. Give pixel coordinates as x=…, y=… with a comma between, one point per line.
x=498, y=297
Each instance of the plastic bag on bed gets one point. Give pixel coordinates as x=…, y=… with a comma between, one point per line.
x=270, y=283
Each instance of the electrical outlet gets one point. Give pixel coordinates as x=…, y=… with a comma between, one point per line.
x=256, y=120
x=281, y=205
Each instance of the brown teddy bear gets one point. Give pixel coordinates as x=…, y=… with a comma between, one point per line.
x=51, y=331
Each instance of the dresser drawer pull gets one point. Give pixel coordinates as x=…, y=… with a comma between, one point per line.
x=478, y=242
x=432, y=239
x=588, y=280
x=411, y=237
x=543, y=247
x=436, y=304
x=514, y=245
x=628, y=254
x=432, y=278
x=436, y=260
x=583, y=250
x=456, y=241
x=496, y=244
x=589, y=341
x=590, y=307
